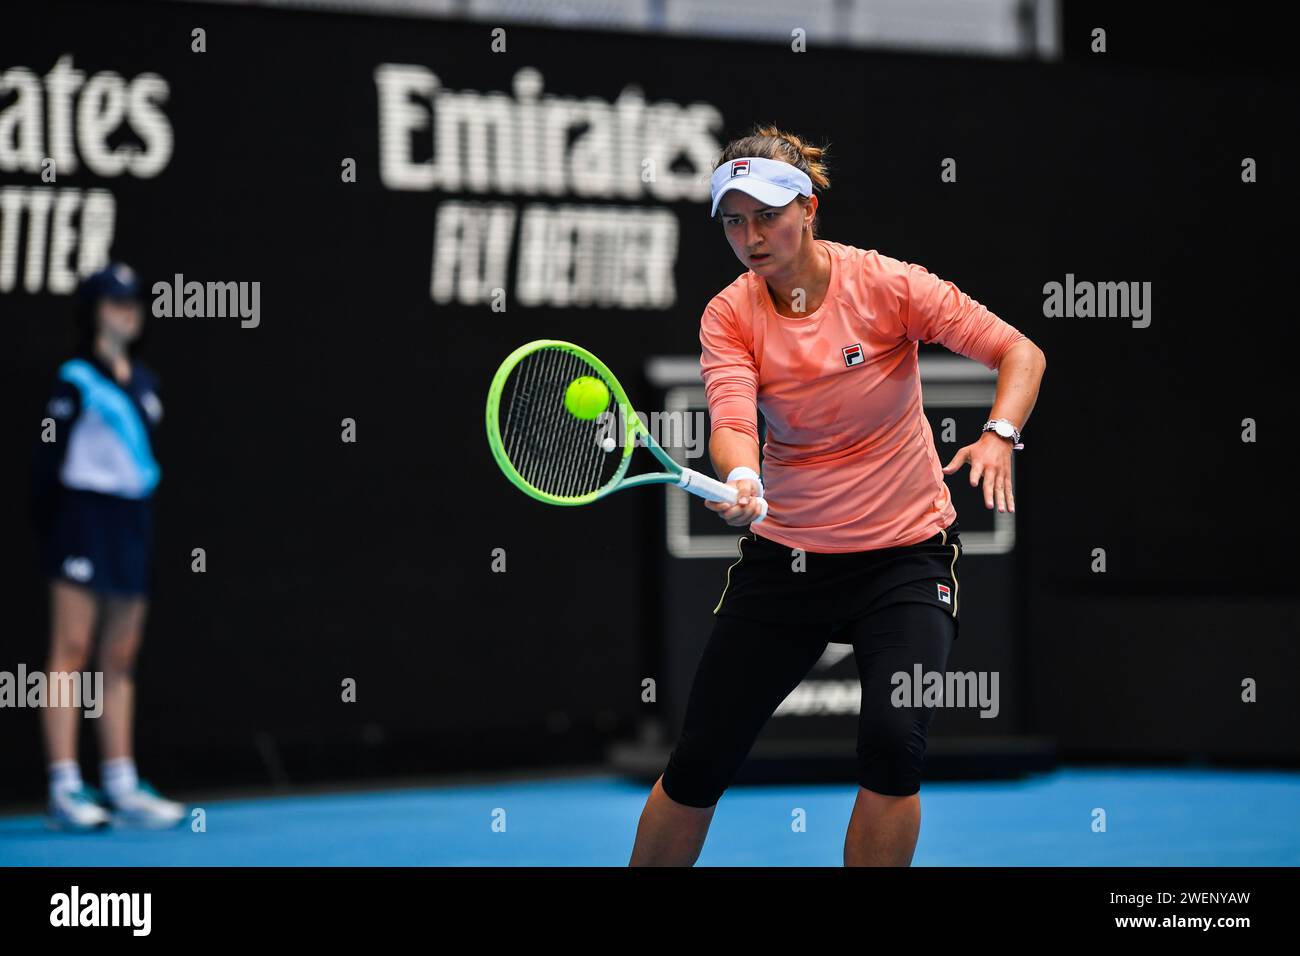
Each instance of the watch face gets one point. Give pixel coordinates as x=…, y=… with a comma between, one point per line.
x=1004, y=429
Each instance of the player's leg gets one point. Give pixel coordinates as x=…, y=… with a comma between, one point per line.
x=886, y=819
x=73, y=614
x=119, y=646
x=747, y=669
x=133, y=800
x=669, y=833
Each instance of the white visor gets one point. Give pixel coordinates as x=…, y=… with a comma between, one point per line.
x=770, y=181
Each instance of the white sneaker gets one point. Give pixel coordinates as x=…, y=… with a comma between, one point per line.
x=76, y=810
x=145, y=807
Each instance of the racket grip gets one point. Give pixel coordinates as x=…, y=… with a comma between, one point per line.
x=701, y=485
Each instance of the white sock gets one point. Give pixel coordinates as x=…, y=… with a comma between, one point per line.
x=65, y=776
x=118, y=776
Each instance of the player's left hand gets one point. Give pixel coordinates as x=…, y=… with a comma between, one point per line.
x=990, y=461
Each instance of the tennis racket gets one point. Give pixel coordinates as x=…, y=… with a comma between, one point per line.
x=550, y=453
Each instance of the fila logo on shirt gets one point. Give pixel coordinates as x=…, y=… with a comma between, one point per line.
x=852, y=354
x=945, y=595
x=739, y=167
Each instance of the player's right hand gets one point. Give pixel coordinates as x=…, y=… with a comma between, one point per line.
x=745, y=510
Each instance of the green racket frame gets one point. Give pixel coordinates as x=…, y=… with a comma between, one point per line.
x=685, y=478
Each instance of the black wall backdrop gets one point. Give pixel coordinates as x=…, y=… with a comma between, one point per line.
x=372, y=560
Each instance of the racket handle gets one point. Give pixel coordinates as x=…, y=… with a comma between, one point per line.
x=701, y=485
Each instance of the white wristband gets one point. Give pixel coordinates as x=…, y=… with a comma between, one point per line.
x=741, y=471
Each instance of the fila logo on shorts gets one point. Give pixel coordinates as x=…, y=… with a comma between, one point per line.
x=739, y=167
x=852, y=354
x=945, y=594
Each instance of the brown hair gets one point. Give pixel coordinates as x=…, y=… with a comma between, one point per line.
x=772, y=143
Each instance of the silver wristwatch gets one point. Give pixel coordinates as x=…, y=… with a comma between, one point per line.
x=1004, y=429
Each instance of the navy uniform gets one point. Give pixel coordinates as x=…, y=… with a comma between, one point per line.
x=94, y=484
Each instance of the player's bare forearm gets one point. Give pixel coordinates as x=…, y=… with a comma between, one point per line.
x=1020, y=373
x=730, y=449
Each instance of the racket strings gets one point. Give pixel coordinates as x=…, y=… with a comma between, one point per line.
x=553, y=450
x=584, y=440
x=571, y=480
x=573, y=466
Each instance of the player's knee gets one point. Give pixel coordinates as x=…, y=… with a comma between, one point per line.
x=696, y=775
x=69, y=654
x=693, y=786
x=890, y=763
x=118, y=657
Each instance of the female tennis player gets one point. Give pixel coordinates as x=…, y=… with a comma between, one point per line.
x=92, y=498
x=860, y=544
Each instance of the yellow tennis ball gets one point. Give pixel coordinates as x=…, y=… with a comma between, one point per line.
x=586, y=397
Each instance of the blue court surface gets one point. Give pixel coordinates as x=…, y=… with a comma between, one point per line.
x=1153, y=818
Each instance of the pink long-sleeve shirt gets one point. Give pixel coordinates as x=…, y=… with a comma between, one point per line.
x=849, y=463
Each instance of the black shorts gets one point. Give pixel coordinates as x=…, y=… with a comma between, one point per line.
x=771, y=583
x=749, y=667
x=101, y=542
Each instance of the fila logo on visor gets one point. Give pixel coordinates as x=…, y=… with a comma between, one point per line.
x=852, y=354
x=739, y=167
